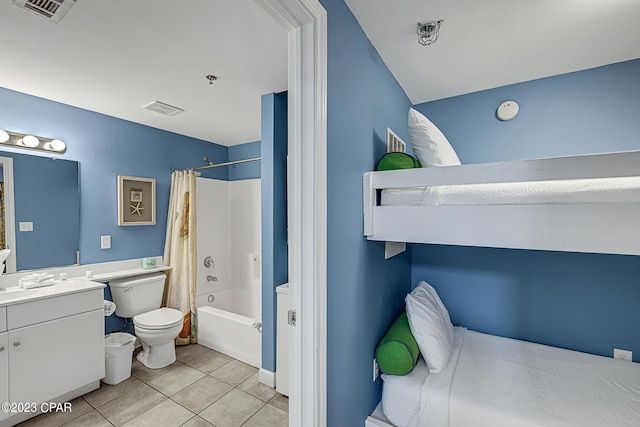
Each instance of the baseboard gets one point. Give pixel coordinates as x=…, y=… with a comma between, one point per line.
x=267, y=378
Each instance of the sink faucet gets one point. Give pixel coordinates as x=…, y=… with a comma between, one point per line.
x=3, y=289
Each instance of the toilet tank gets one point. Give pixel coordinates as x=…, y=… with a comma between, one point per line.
x=136, y=295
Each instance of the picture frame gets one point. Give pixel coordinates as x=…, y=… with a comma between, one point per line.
x=136, y=201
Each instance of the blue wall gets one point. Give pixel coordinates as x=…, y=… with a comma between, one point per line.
x=107, y=147
x=365, y=293
x=586, y=302
x=247, y=170
x=275, y=263
x=591, y=111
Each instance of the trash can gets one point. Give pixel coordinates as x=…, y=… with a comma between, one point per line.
x=118, y=352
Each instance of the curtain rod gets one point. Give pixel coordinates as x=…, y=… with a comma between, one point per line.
x=218, y=165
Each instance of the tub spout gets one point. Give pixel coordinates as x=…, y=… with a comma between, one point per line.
x=212, y=278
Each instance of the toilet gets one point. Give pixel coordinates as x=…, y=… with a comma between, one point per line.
x=140, y=298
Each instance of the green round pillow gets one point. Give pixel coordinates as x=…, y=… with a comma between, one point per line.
x=398, y=351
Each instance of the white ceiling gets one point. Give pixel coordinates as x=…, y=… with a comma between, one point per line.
x=114, y=56
x=492, y=43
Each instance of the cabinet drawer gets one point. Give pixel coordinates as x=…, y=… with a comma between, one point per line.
x=30, y=313
x=3, y=319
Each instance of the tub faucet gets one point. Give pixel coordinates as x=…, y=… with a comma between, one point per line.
x=208, y=262
x=212, y=278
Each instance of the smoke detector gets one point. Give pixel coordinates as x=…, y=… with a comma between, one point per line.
x=52, y=10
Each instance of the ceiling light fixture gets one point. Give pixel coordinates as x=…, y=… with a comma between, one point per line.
x=211, y=78
x=428, y=32
x=21, y=140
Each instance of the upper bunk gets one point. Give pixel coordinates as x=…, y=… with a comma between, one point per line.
x=586, y=203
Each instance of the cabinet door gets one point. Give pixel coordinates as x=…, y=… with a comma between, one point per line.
x=4, y=370
x=53, y=358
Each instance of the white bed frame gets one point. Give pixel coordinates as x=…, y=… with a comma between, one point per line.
x=600, y=228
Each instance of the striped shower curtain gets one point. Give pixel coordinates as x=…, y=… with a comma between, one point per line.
x=180, y=252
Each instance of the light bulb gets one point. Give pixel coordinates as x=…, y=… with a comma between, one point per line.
x=4, y=136
x=30, y=141
x=55, y=145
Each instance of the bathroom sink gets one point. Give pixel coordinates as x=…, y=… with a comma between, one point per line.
x=14, y=293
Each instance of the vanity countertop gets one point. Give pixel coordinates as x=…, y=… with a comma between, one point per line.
x=17, y=295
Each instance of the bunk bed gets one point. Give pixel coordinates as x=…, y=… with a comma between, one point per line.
x=586, y=203
x=467, y=378
x=496, y=381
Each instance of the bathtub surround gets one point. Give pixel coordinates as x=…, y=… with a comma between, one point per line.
x=229, y=281
x=180, y=252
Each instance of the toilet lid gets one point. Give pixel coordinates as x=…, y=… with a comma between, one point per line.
x=158, y=319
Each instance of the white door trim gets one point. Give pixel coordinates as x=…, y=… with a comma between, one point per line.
x=9, y=213
x=306, y=23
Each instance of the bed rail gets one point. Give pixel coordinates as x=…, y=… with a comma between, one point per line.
x=601, y=228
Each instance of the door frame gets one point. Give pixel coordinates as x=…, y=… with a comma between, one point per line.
x=306, y=24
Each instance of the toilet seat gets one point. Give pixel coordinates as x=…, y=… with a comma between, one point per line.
x=161, y=318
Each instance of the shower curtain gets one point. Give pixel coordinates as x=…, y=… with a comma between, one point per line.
x=180, y=252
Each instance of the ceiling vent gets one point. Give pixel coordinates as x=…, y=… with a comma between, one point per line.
x=53, y=10
x=162, y=108
x=394, y=143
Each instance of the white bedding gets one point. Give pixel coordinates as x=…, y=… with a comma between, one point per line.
x=602, y=190
x=495, y=381
x=401, y=395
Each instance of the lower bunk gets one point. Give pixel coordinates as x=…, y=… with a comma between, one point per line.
x=496, y=381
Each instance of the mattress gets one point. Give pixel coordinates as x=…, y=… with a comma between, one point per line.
x=493, y=381
x=601, y=190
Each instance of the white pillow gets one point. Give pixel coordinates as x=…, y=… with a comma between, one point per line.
x=430, y=325
x=430, y=145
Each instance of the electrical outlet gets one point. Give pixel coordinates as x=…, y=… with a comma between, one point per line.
x=376, y=370
x=625, y=355
x=105, y=242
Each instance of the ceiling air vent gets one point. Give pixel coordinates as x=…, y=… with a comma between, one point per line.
x=162, y=108
x=394, y=143
x=53, y=10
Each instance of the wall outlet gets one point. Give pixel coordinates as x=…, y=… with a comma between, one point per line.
x=25, y=226
x=376, y=370
x=625, y=355
x=105, y=242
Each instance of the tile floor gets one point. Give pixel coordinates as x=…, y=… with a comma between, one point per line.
x=202, y=388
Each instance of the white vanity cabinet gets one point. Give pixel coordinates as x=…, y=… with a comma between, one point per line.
x=54, y=349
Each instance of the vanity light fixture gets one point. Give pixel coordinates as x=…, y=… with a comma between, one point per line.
x=20, y=140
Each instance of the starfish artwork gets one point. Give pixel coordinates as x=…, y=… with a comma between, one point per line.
x=136, y=208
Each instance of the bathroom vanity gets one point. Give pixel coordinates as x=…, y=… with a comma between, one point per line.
x=51, y=345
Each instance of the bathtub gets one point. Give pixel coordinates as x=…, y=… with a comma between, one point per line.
x=235, y=333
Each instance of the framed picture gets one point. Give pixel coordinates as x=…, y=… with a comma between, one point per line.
x=136, y=201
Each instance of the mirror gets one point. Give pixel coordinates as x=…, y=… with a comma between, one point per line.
x=40, y=218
